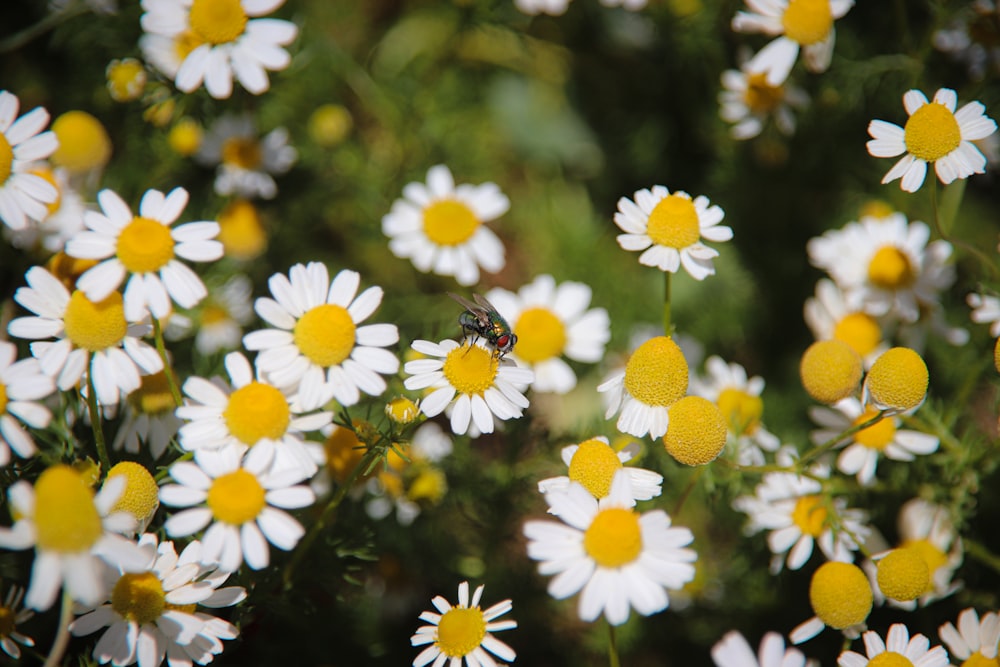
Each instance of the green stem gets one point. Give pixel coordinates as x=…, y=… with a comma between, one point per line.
x=95, y=418
x=666, y=303
x=687, y=490
x=981, y=553
x=613, y=660
x=62, y=634
x=161, y=348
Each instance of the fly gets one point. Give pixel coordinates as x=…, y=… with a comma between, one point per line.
x=481, y=319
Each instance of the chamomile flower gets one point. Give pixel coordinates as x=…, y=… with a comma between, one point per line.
x=739, y=399
x=552, y=321
x=884, y=438
x=94, y=337
x=928, y=529
x=985, y=310
x=24, y=196
x=616, y=558
x=831, y=318
x=218, y=39
x=748, y=101
x=552, y=7
x=440, y=227
x=898, y=648
x=471, y=379
x=593, y=464
x=72, y=531
x=22, y=385
x=14, y=615
x=968, y=40
x=975, y=641
x=252, y=413
x=734, y=651
x=318, y=343
x=934, y=133
x=246, y=162
x=668, y=228
x=150, y=614
x=240, y=501
x=149, y=419
x=841, y=598
x=463, y=632
x=805, y=25
x=222, y=316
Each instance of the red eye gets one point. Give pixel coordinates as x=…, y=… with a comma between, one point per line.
x=503, y=340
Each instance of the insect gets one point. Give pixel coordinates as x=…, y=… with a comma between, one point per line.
x=482, y=319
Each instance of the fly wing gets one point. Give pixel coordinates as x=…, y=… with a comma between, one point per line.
x=483, y=303
x=476, y=310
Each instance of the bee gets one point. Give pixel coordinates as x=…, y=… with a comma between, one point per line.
x=481, y=319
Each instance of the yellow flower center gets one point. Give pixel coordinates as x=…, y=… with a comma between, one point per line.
x=449, y=222
x=126, y=79
x=218, y=21
x=185, y=43
x=934, y=557
x=657, y=374
x=890, y=659
x=810, y=515
x=257, y=411
x=3, y=398
x=7, y=619
x=878, y=435
x=83, y=142
x=614, y=537
x=66, y=519
x=343, y=452
x=68, y=269
x=95, y=326
x=807, y=21
x=594, y=465
x=932, y=132
x=139, y=597
x=401, y=410
x=430, y=485
x=153, y=396
x=141, y=495
x=236, y=497
x=760, y=96
x=898, y=379
x=242, y=152
x=330, y=124
x=830, y=370
x=741, y=410
x=840, y=594
x=214, y=313
x=325, y=334
x=460, y=631
x=470, y=369
x=891, y=269
x=241, y=232
x=859, y=330
x=977, y=659
x=6, y=158
x=185, y=137
x=696, y=431
x=540, y=335
x=903, y=575
x=673, y=223
x=145, y=245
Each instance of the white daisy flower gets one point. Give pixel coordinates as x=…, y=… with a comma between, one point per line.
x=975, y=641
x=898, y=648
x=593, y=464
x=829, y=317
x=14, y=615
x=149, y=418
x=928, y=529
x=550, y=321
x=552, y=7
x=440, y=227
x=616, y=558
x=739, y=400
x=145, y=248
x=734, y=651
x=472, y=379
x=318, y=343
x=93, y=337
x=254, y=414
x=244, y=503
x=668, y=228
x=24, y=196
x=22, y=385
x=151, y=613
x=246, y=163
x=861, y=453
x=748, y=102
x=72, y=531
x=227, y=309
x=798, y=24
x=985, y=310
x=219, y=39
x=463, y=631
x=935, y=133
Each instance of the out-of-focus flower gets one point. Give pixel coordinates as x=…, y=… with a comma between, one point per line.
x=126, y=79
x=185, y=137
x=734, y=651
x=84, y=145
x=22, y=386
x=970, y=38
x=14, y=615
x=986, y=310
x=329, y=124
x=748, y=101
x=246, y=164
x=241, y=232
x=149, y=417
x=830, y=317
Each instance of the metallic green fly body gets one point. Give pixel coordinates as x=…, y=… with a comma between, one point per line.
x=481, y=319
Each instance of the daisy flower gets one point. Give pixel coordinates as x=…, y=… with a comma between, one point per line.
x=149, y=418
x=975, y=641
x=928, y=529
x=146, y=248
x=440, y=226
x=829, y=317
x=739, y=400
x=883, y=438
x=22, y=385
x=734, y=651
x=72, y=531
x=463, y=631
x=150, y=614
x=668, y=228
x=985, y=310
x=805, y=25
x=94, y=337
x=471, y=379
x=966, y=38
x=244, y=503
x=748, y=101
x=898, y=648
x=616, y=558
x=552, y=321
x=252, y=413
x=222, y=316
x=935, y=133
x=246, y=163
x=219, y=39
x=318, y=343
x=593, y=464
x=24, y=196
x=14, y=615
x=552, y=7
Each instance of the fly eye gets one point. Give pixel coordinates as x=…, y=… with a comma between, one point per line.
x=503, y=341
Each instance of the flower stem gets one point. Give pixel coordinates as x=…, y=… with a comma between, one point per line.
x=981, y=553
x=95, y=418
x=62, y=634
x=666, y=303
x=613, y=660
x=693, y=482
x=167, y=370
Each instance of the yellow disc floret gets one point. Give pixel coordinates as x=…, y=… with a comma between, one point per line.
x=696, y=432
x=83, y=142
x=141, y=495
x=241, y=231
x=657, y=373
x=145, y=245
x=139, y=597
x=95, y=326
x=236, y=497
x=674, y=222
x=470, y=369
x=66, y=519
x=903, y=575
x=449, y=222
x=217, y=21
x=932, y=132
x=460, y=631
x=185, y=137
x=614, y=537
x=859, y=330
x=840, y=594
x=897, y=380
x=891, y=269
x=807, y=21
x=401, y=410
x=6, y=158
x=830, y=370
x=257, y=411
x=594, y=465
x=540, y=335
x=325, y=334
